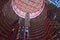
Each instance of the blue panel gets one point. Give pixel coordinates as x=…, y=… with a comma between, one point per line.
x=55, y=2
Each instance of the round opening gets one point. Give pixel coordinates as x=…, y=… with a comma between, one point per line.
x=33, y=7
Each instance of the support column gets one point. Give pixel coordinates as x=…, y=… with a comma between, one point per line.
x=27, y=25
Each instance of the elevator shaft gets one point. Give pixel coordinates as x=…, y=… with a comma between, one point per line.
x=27, y=25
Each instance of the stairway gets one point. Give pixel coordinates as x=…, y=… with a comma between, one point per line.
x=41, y=32
x=6, y=32
x=37, y=32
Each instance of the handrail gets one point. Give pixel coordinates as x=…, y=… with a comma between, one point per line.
x=32, y=30
x=37, y=31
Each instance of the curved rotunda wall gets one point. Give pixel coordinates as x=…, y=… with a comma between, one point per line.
x=33, y=7
x=4, y=27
